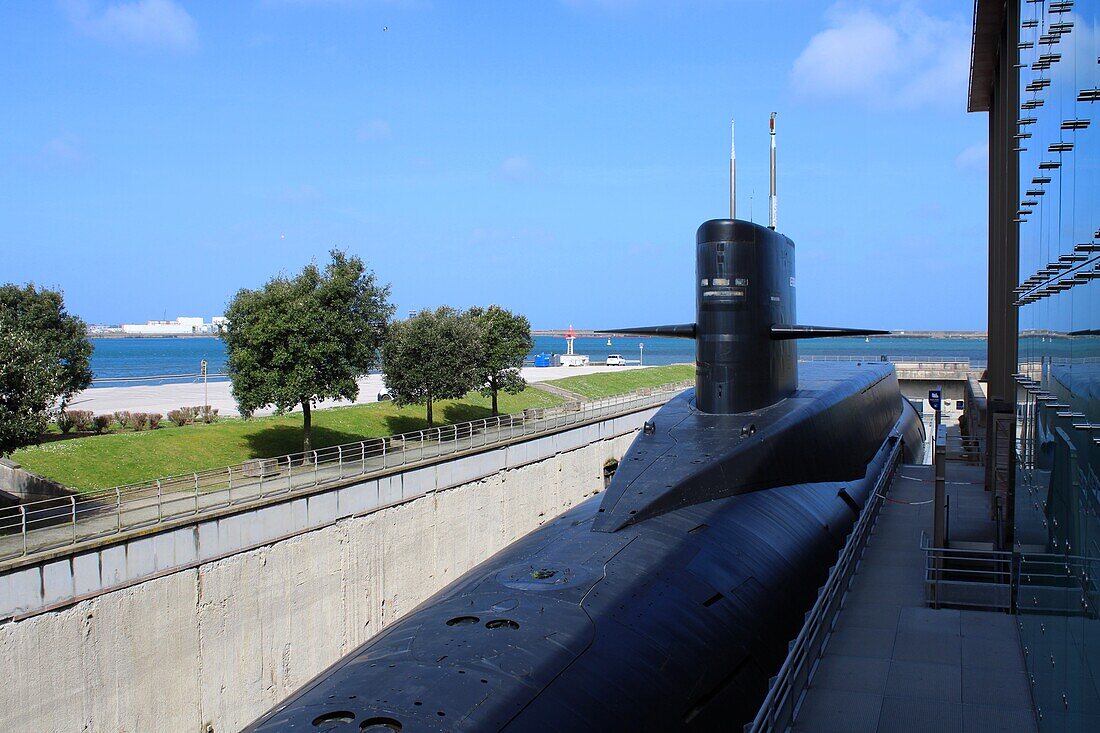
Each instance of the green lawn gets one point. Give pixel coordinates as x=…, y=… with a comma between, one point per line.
x=605, y=385
x=103, y=461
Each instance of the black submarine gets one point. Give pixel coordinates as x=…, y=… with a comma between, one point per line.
x=667, y=602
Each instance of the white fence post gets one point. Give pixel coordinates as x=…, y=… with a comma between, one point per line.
x=340, y=460
x=363, y=454
x=196, y=475
x=316, y=478
x=230, y=471
x=118, y=500
x=160, y=503
x=72, y=500
x=23, y=526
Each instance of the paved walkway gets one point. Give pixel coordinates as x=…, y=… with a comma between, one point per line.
x=164, y=397
x=894, y=665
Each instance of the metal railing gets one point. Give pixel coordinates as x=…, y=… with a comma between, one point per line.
x=777, y=710
x=45, y=525
x=959, y=363
x=1056, y=583
x=966, y=577
x=109, y=381
x=964, y=447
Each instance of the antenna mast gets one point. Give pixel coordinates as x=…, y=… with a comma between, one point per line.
x=733, y=174
x=772, y=215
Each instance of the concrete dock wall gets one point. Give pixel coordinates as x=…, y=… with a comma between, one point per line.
x=28, y=486
x=209, y=647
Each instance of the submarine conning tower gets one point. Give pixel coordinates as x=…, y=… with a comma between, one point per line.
x=744, y=330
x=745, y=286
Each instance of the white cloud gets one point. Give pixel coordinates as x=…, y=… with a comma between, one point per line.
x=142, y=22
x=974, y=158
x=902, y=59
x=515, y=168
x=373, y=130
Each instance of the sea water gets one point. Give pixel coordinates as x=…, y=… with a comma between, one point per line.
x=125, y=360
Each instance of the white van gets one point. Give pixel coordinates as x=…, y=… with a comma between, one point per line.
x=616, y=360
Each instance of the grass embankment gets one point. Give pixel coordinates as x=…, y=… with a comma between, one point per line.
x=115, y=459
x=605, y=385
x=103, y=461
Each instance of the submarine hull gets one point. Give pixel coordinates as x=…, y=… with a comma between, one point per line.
x=665, y=604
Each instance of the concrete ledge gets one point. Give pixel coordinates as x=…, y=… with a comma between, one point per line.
x=162, y=633
x=27, y=486
x=73, y=573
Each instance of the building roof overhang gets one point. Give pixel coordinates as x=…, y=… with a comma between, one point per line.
x=988, y=21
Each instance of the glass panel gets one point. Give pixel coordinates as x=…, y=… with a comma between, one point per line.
x=1057, y=507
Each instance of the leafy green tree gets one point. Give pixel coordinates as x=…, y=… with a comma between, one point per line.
x=29, y=385
x=505, y=343
x=431, y=356
x=41, y=316
x=301, y=340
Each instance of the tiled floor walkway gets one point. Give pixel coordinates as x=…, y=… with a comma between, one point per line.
x=894, y=665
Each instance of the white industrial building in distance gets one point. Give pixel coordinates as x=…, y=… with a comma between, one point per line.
x=182, y=326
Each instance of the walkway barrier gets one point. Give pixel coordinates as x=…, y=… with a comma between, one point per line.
x=1049, y=583
x=970, y=578
x=999, y=580
x=920, y=362
x=108, y=381
x=785, y=690
x=39, y=526
x=964, y=449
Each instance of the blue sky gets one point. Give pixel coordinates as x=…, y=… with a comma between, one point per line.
x=553, y=157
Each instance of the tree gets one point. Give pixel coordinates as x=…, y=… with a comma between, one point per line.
x=298, y=341
x=431, y=356
x=505, y=343
x=40, y=315
x=30, y=382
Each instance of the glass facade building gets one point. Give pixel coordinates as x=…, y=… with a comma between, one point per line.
x=1036, y=70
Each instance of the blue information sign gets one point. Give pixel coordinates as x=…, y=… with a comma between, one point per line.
x=934, y=398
